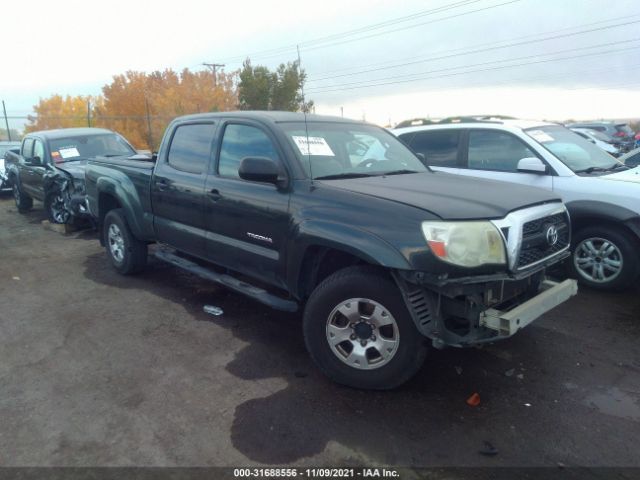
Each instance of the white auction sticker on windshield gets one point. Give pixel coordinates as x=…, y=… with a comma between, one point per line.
x=313, y=146
x=69, y=152
x=540, y=136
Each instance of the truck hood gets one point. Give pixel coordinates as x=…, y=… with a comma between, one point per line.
x=75, y=169
x=632, y=176
x=450, y=197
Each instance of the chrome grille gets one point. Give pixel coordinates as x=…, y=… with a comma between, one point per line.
x=535, y=244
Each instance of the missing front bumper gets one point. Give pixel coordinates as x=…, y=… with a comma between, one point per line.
x=507, y=323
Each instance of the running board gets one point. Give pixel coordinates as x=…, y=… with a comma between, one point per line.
x=228, y=281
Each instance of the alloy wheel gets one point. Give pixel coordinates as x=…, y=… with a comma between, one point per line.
x=116, y=242
x=598, y=260
x=362, y=333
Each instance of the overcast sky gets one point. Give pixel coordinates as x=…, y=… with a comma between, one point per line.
x=529, y=58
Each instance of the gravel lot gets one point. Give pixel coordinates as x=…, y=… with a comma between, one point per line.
x=99, y=369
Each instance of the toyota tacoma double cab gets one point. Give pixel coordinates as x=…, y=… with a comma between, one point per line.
x=339, y=220
x=50, y=164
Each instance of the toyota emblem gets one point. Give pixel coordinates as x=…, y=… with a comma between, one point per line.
x=552, y=235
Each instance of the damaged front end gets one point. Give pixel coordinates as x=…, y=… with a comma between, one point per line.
x=65, y=197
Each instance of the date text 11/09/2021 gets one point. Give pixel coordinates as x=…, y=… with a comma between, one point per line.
x=316, y=472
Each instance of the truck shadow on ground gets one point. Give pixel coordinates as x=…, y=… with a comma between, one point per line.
x=425, y=422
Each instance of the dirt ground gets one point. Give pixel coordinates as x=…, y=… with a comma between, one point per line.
x=100, y=369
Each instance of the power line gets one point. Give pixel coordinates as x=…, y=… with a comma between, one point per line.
x=511, y=81
x=331, y=89
x=341, y=42
x=365, y=28
x=393, y=77
x=481, y=50
x=330, y=73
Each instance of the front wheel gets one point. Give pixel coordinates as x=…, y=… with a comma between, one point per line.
x=56, y=209
x=604, y=258
x=359, y=332
x=24, y=202
x=127, y=254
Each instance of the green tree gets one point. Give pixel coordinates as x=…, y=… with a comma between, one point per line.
x=261, y=89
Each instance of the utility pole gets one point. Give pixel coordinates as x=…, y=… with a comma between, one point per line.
x=89, y=112
x=6, y=120
x=214, y=67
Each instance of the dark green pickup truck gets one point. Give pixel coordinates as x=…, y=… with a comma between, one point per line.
x=340, y=219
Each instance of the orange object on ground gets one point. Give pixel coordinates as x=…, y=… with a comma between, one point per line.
x=473, y=400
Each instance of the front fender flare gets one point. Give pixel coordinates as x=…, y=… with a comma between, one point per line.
x=338, y=236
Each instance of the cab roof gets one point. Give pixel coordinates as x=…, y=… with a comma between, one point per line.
x=68, y=132
x=274, y=116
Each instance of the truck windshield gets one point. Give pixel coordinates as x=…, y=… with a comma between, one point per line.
x=576, y=152
x=88, y=146
x=338, y=150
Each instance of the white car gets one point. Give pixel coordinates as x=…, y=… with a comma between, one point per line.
x=601, y=193
x=599, y=139
x=5, y=184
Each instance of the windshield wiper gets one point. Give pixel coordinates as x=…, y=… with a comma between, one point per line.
x=345, y=175
x=602, y=169
x=617, y=165
x=399, y=172
x=77, y=159
x=591, y=170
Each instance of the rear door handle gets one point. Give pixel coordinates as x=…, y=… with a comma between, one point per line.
x=214, y=194
x=162, y=185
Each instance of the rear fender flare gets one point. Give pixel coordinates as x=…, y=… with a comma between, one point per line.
x=122, y=189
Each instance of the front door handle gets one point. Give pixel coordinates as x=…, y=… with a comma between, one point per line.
x=214, y=194
x=162, y=185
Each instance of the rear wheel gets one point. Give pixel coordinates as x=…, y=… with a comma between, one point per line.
x=24, y=202
x=359, y=332
x=127, y=254
x=605, y=258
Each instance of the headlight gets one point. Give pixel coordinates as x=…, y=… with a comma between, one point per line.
x=468, y=244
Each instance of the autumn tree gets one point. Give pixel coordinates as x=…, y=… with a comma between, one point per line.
x=140, y=105
x=60, y=112
x=262, y=89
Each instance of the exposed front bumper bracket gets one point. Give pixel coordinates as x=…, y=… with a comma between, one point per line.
x=506, y=323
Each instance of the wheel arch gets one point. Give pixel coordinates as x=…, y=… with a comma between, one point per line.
x=587, y=213
x=321, y=248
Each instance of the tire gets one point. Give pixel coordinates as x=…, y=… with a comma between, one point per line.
x=24, y=202
x=56, y=210
x=604, y=258
x=359, y=291
x=127, y=254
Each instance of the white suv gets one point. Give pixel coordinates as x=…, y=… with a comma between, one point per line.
x=602, y=194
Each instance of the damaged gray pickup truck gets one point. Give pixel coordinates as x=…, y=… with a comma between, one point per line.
x=340, y=220
x=50, y=168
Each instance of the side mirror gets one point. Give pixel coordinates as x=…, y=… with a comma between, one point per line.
x=259, y=169
x=532, y=165
x=154, y=156
x=36, y=161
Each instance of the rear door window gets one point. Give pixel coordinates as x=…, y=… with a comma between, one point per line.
x=190, y=149
x=440, y=147
x=495, y=150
